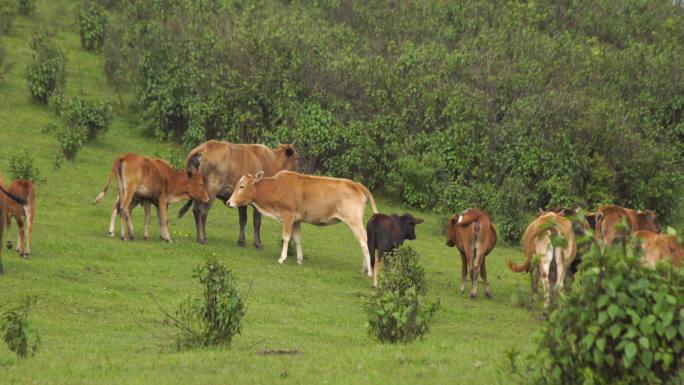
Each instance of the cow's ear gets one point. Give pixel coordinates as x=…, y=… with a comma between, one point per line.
x=289, y=152
x=418, y=221
x=452, y=221
x=258, y=176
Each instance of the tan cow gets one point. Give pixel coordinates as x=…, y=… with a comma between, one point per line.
x=23, y=214
x=538, y=240
x=474, y=235
x=222, y=164
x=659, y=246
x=154, y=180
x=292, y=198
x=607, y=217
x=5, y=197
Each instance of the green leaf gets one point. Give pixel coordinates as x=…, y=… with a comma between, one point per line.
x=630, y=350
x=613, y=311
x=643, y=341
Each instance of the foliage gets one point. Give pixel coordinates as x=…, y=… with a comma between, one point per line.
x=20, y=166
x=92, y=24
x=46, y=74
x=623, y=323
x=16, y=333
x=26, y=7
x=71, y=139
x=442, y=105
x=81, y=112
x=8, y=13
x=397, y=310
x=215, y=318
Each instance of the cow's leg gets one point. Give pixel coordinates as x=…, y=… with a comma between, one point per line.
x=544, y=266
x=200, y=210
x=20, y=236
x=476, y=269
x=112, y=221
x=256, y=218
x=464, y=272
x=148, y=214
x=126, y=219
x=8, y=224
x=287, y=232
x=356, y=226
x=469, y=259
x=242, y=214
x=29, y=212
x=560, y=269
x=297, y=235
x=164, y=219
x=488, y=292
x=377, y=266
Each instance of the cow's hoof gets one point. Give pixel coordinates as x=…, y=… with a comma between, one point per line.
x=26, y=255
x=9, y=245
x=300, y=262
x=146, y=238
x=241, y=243
x=111, y=234
x=472, y=296
x=488, y=295
x=123, y=238
x=281, y=262
x=131, y=238
x=202, y=241
x=257, y=245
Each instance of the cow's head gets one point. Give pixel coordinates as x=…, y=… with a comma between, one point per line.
x=452, y=235
x=408, y=226
x=245, y=190
x=647, y=221
x=196, y=188
x=289, y=158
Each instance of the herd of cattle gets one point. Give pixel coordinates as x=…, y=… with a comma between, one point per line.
x=243, y=175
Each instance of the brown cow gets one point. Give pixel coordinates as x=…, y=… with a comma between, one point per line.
x=607, y=217
x=474, y=235
x=23, y=214
x=538, y=240
x=659, y=246
x=5, y=197
x=292, y=198
x=222, y=164
x=155, y=180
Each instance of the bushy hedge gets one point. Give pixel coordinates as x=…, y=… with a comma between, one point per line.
x=92, y=24
x=26, y=7
x=46, y=74
x=8, y=13
x=511, y=106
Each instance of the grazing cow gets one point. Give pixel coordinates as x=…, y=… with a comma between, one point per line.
x=153, y=180
x=659, y=246
x=5, y=198
x=385, y=233
x=23, y=214
x=292, y=198
x=474, y=235
x=222, y=164
x=538, y=240
x=607, y=217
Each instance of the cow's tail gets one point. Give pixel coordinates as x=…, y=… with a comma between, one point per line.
x=369, y=196
x=115, y=167
x=185, y=208
x=191, y=165
x=465, y=221
x=13, y=197
x=529, y=251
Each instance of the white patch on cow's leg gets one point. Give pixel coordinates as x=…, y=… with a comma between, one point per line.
x=112, y=221
x=560, y=270
x=544, y=266
x=297, y=235
x=287, y=232
x=28, y=210
x=148, y=214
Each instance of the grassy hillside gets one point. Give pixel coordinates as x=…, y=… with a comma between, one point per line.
x=95, y=310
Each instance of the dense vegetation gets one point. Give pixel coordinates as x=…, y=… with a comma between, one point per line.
x=506, y=105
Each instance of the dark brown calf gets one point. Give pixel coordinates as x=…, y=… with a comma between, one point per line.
x=474, y=235
x=385, y=233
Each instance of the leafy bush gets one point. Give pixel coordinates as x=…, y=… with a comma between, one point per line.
x=20, y=166
x=46, y=74
x=397, y=310
x=71, y=139
x=81, y=112
x=16, y=333
x=622, y=323
x=215, y=318
x=26, y=7
x=92, y=24
x=7, y=14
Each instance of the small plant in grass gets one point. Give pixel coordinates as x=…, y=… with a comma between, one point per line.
x=213, y=319
x=46, y=74
x=92, y=117
x=20, y=166
x=26, y=7
x=71, y=140
x=622, y=323
x=16, y=333
x=92, y=24
x=397, y=310
x=7, y=14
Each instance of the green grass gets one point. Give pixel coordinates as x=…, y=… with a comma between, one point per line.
x=95, y=311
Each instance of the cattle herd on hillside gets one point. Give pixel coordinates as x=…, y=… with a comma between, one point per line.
x=242, y=175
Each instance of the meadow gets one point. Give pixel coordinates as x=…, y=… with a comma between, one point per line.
x=97, y=313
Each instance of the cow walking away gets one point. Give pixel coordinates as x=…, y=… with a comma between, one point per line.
x=475, y=237
x=144, y=178
x=659, y=246
x=5, y=198
x=292, y=198
x=222, y=164
x=607, y=217
x=385, y=233
x=537, y=239
x=23, y=214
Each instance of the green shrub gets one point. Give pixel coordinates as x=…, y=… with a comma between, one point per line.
x=16, y=333
x=26, y=7
x=92, y=24
x=81, y=112
x=397, y=310
x=71, y=139
x=213, y=319
x=7, y=14
x=20, y=166
x=46, y=74
x=622, y=323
